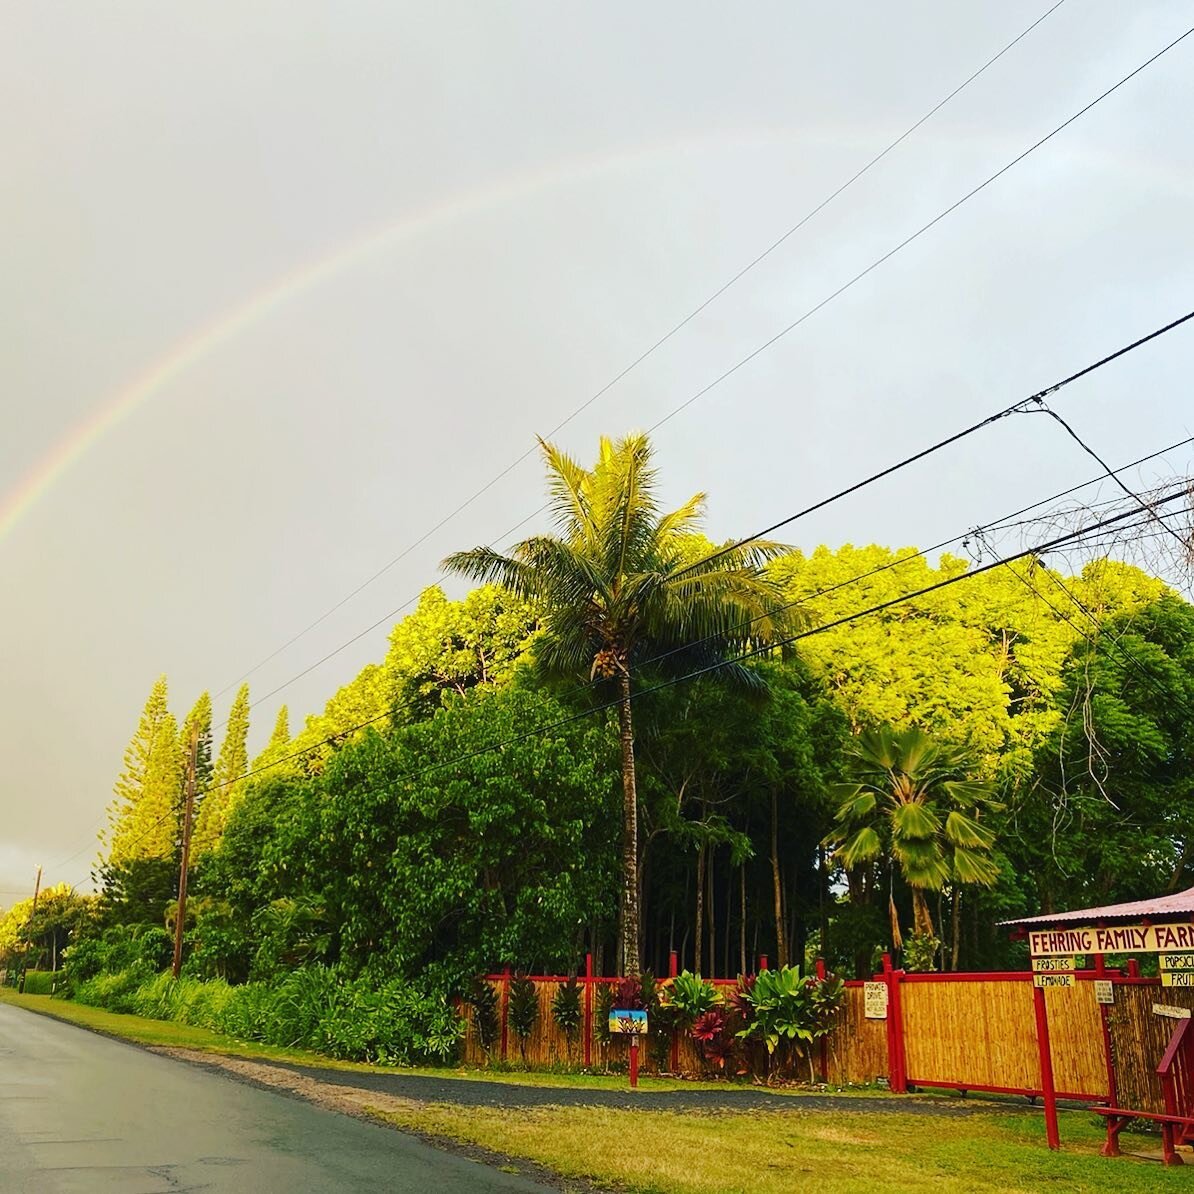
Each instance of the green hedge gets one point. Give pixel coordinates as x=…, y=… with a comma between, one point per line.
x=40, y=982
x=312, y=1008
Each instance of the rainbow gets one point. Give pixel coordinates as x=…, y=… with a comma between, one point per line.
x=228, y=325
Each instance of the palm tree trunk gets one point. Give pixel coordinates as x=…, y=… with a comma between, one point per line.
x=956, y=927
x=742, y=921
x=699, y=944
x=712, y=918
x=781, y=938
x=922, y=919
x=629, y=912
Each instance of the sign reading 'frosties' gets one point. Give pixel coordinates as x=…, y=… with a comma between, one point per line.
x=1122, y=939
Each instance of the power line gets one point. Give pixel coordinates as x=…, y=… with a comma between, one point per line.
x=921, y=230
x=1022, y=406
x=1036, y=401
x=1048, y=410
x=787, y=640
x=1071, y=536
x=1001, y=524
x=656, y=345
x=767, y=344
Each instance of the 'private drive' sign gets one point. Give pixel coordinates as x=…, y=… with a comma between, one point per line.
x=1122, y=939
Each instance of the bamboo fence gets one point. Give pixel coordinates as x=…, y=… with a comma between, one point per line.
x=968, y=1032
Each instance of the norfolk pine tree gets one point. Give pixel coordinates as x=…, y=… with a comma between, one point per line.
x=231, y=765
x=143, y=817
x=199, y=721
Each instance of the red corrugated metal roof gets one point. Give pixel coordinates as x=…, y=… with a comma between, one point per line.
x=1181, y=903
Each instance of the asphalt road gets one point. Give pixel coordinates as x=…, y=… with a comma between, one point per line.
x=82, y=1114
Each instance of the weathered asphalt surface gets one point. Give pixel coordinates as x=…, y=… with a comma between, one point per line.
x=82, y=1114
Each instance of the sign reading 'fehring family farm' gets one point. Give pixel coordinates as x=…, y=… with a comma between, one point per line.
x=1122, y=939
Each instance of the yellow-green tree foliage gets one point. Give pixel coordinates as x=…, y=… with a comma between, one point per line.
x=453, y=646
x=278, y=745
x=977, y=663
x=143, y=817
x=231, y=765
x=198, y=725
x=14, y=922
x=441, y=647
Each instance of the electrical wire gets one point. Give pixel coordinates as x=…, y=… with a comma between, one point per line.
x=340, y=735
x=655, y=346
x=1022, y=406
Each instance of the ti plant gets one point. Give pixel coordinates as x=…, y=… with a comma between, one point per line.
x=523, y=1011
x=567, y=1013
x=486, y=1023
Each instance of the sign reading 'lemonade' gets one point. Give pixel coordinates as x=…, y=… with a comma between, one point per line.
x=1122, y=939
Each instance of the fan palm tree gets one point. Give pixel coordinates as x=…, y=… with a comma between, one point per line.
x=619, y=581
x=917, y=795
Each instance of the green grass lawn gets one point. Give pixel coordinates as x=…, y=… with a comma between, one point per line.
x=658, y=1152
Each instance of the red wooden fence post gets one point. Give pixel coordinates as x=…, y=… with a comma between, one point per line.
x=673, y=963
x=1133, y=968
x=824, y=1042
x=897, y=1078
x=762, y=961
x=1047, y=1088
x=895, y=1014
x=505, y=1009
x=588, y=1010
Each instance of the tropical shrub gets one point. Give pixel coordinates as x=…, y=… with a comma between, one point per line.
x=313, y=1008
x=523, y=1011
x=39, y=982
x=691, y=997
x=920, y=952
x=791, y=1011
x=486, y=1022
x=145, y=948
x=567, y=1013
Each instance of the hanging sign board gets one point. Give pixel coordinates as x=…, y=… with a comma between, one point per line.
x=1065, y=979
x=875, y=1000
x=1177, y=978
x=626, y=1020
x=1177, y=961
x=1104, y=991
x=1122, y=939
x=1048, y=965
x=1171, y=1012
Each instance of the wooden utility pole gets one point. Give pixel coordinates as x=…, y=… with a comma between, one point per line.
x=181, y=915
x=36, y=893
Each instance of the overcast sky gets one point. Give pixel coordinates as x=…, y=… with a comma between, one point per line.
x=338, y=265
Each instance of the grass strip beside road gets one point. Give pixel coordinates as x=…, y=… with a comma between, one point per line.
x=664, y=1152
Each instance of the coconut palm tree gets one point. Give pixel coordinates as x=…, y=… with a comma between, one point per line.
x=618, y=582
x=917, y=797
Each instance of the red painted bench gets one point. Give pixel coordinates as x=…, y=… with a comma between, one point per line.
x=1175, y=1130
x=1176, y=1072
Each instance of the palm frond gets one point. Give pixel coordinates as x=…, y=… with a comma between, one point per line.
x=486, y=566
x=915, y=822
x=567, y=486
x=860, y=847
x=966, y=833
